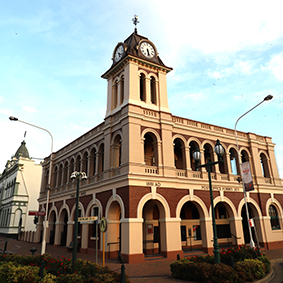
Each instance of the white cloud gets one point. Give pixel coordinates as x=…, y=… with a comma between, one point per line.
x=5, y=111
x=244, y=67
x=220, y=26
x=276, y=66
x=29, y=109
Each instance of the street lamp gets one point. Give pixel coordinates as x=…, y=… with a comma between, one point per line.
x=79, y=176
x=45, y=226
x=267, y=98
x=219, y=150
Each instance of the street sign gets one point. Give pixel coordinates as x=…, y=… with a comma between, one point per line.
x=37, y=213
x=103, y=225
x=91, y=218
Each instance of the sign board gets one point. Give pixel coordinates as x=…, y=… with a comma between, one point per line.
x=251, y=222
x=91, y=218
x=149, y=229
x=103, y=225
x=37, y=213
x=247, y=176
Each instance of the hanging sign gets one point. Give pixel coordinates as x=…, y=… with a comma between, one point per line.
x=247, y=176
x=37, y=213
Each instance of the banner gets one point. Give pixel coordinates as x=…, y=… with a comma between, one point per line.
x=247, y=176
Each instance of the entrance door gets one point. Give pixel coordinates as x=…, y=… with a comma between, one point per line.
x=245, y=225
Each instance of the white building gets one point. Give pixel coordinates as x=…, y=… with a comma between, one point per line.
x=19, y=190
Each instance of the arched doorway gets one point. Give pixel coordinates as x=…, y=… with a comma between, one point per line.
x=223, y=225
x=153, y=229
x=190, y=227
x=114, y=240
x=252, y=214
x=64, y=229
x=52, y=226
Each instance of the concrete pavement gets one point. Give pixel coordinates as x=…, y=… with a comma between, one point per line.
x=148, y=271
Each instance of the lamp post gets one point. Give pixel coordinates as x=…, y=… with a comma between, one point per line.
x=45, y=225
x=267, y=98
x=219, y=150
x=79, y=176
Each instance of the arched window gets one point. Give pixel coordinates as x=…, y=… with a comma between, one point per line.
x=274, y=220
x=78, y=163
x=115, y=95
x=122, y=89
x=65, y=176
x=55, y=174
x=179, y=154
x=72, y=167
x=116, y=151
x=223, y=164
x=142, y=87
x=85, y=163
x=150, y=149
x=208, y=155
x=221, y=212
x=193, y=145
x=264, y=166
x=92, y=170
x=245, y=156
x=153, y=90
x=101, y=159
x=234, y=162
x=60, y=175
x=46, y=179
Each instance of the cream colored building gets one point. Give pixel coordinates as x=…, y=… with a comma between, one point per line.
x=142, y=177
x=19, y=189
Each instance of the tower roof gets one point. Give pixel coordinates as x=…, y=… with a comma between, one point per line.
x=22, y=151
x=131, y=46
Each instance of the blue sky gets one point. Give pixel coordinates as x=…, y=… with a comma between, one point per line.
x=226, y=55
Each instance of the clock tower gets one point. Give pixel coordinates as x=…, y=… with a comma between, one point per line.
x=137, y=76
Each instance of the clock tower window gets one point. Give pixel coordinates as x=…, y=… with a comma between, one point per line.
x=122, y=89
x=142, y=87
x=153, y=90
x=115, y=95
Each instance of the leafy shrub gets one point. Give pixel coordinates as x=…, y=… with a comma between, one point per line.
x=223, y=273
x=265, y=260
x=252, y=268
x=183, y=269
x=249, y=264
x=15, y=268
x=9, y=272
x=5, y=269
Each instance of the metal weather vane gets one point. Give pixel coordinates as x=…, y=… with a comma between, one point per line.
x=135, y=20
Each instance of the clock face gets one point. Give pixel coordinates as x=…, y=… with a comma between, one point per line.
x=119, y=53
x=147, y=49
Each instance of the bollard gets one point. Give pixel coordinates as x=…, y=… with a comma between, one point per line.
x=41, y=270
x=33, y=250
x=178, y=257
x=5, y=247
x=123, y=277
x=232, y=262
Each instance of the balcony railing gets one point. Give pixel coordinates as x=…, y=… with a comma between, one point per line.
x=181, y=173
x=151, y=170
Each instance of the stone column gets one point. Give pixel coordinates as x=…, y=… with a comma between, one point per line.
x=132, y=240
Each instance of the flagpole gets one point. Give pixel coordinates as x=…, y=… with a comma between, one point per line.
x=268, y=97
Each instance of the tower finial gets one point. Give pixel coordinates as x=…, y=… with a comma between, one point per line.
x=135, y=20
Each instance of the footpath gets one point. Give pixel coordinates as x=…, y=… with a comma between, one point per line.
x=157, y=271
